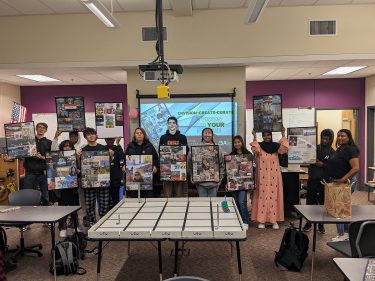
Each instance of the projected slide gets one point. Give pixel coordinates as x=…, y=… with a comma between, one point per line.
x=192, y=117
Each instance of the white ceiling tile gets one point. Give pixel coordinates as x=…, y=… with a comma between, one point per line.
x=200, y=4
x=137, y=5
x=225, y=4
x=29, y=7
x=297, y=2
x=333, y=2
x=6, y=10
x=66, y=6
x=330, y=63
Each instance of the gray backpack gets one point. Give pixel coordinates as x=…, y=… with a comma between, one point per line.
x=66, y=259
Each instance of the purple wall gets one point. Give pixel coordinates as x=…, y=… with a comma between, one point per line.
x=41, y=99
x=327, y=93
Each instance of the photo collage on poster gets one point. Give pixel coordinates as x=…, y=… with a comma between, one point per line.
x=240, y=172
x=61, y=169
x=139, y=172
x=205, y=160
x=302, y=145
x=95, y=169
x=20, y=139
x=70, y=114
x=267, y=113
x=109, y=119
x=172, y=163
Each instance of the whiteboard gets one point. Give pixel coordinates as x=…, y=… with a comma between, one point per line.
x=50, y=119
x=292, y=117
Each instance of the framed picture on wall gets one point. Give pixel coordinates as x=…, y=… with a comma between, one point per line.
x=109, y=119
x=240, y=172
x=61, y=169
x=70, y=113
x=172, y=163
x=267, y=112
x=205, y=162
x=95, y=169
x=138, y=172
x=302, y=145
x=20, y=139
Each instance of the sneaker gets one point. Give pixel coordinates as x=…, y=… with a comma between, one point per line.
x=340, y=237
x=62, y=233
x=261, y=225
x=321, y=228
x=307, y=227
x=246, y=226
x=275, y=226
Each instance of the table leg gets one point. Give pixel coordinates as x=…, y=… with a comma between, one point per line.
x=99, y=260
x=175, y=258
x=75, y=223
x=313, y=252
x=53, y=245
x=160, y=261
x=300, y=223
x=239, y=259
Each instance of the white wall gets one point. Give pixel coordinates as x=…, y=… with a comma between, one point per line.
x=8, y=94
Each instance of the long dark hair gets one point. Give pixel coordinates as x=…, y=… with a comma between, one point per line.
x=244, y=150
x=212, y=132
x=143, y=132
x=350, y=136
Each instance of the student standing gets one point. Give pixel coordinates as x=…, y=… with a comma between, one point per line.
x=35, y=167
x=268, y=205
x=173, y=137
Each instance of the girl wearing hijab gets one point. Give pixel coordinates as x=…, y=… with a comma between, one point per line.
x=268, y=206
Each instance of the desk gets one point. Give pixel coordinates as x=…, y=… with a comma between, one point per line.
x=176, y=219
x=317, y=214
x=352, y=268
x=291, y=188
x=41, y=214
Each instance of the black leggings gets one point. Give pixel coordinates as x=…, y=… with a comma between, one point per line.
x=315, y=192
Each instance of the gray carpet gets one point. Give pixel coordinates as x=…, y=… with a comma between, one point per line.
x=210, y=260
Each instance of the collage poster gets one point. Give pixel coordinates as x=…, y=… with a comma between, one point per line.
x=240, y=172
x=109, y=119
x=20, y=139
x=138, y=172
x=70, y=114
x=95, y=169
x=267, y=113
x=205, y=160
x=61, y=169
x=172, y=163
x=302, y=145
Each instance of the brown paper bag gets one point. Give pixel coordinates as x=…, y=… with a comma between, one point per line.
x=338, y=199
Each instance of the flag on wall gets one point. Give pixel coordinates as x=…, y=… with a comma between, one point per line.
x=18, y=113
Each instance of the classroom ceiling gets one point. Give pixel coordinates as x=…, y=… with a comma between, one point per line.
x=98, y=74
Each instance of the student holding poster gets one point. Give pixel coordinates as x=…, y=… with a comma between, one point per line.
x=175, y=138
x=268, y=206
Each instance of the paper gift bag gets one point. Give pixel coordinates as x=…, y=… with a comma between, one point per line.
x=337, y=199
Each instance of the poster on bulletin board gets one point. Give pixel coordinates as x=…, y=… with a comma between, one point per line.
x=70, y=114
x=109, y=119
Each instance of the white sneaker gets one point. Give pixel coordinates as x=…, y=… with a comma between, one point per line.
x=275, y=226
x=261, y=225
x=340, y=237
x=246, y=226
x=62, y=233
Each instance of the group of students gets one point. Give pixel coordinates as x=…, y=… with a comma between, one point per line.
x=338, y=165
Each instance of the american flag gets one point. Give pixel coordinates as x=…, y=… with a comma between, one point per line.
x=18, y=113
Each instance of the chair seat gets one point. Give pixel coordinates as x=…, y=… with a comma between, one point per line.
x=342, y=247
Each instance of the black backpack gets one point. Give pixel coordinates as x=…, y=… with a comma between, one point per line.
x=293, y=249
x=66, y=259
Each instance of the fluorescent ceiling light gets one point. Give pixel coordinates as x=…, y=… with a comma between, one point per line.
x=38, y=77
x=101, y=12
x=254, y=10
x=344, y=70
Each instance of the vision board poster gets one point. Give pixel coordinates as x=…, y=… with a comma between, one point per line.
x=61, y=169
x=205, y=160
x=109, y=119
x=172, y=163
x=70, y=114
x=302, y=145
x=240, y=172
x=95, y=169
x=20, y=139
x=267, y=113
x=138, y=172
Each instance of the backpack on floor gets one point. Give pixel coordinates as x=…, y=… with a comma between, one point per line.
x=80, y=241
x=293, y=249
x=66, y=259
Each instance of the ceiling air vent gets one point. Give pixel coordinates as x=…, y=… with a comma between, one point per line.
x=323, y=27
x=150, y=34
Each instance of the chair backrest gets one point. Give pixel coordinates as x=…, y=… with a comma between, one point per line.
x=186, y=278
x=25, y=197
x=361, y=238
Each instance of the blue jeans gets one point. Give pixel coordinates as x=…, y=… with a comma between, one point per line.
x=207, y=191
x=240, y=196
